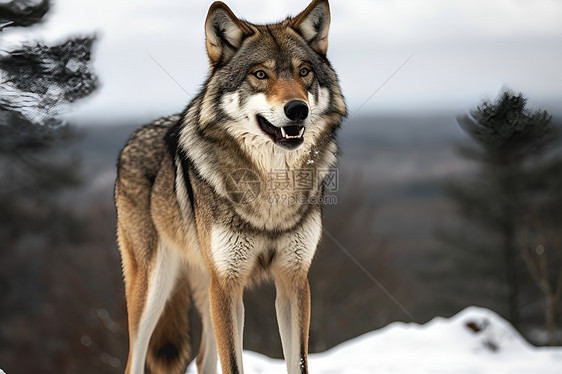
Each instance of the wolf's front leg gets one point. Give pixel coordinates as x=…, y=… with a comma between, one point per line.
x=229, y=261
x=293, y=315
x=227, y=314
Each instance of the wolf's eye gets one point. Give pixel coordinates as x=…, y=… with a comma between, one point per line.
x=260, y=74
x=303, y=72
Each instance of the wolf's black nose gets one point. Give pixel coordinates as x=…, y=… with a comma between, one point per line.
x=296, y=110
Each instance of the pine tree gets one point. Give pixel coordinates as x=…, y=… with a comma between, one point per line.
x=37, y=83
x=509, y=145
x=22, y=12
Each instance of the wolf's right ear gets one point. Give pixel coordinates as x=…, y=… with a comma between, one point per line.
x=224, y=33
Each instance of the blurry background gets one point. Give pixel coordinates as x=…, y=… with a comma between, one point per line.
x=439, y=213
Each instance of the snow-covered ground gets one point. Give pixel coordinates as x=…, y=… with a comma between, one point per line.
x=475, y=341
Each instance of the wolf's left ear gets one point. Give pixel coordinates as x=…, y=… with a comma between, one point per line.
x=224, y=33
x=313, y=24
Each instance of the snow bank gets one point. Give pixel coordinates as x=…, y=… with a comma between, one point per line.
x=475, y=341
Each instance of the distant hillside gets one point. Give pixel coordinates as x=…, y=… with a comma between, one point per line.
x=401, y=130
x=100, y=144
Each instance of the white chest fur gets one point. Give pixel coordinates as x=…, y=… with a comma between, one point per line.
x=236, y=253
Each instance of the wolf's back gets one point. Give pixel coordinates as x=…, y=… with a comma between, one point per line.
x=140, y=159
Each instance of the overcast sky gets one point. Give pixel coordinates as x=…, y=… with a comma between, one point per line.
x=151, y=57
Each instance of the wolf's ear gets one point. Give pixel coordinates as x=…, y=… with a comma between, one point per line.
x=224, y=33
x=313, y=24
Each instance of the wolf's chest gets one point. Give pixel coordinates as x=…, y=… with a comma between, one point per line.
x=240, y=253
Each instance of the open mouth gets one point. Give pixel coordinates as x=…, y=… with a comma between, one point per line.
x=289, y=137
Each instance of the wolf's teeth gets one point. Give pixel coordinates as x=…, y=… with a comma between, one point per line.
x=301, y=132
x=283, y=133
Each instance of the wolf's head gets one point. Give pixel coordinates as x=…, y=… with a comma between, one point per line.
x=271, y=86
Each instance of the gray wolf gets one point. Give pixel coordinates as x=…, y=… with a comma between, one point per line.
x=195, y=219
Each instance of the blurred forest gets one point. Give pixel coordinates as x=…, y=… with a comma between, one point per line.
x=442, y=212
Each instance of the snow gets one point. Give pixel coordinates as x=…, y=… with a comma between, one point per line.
x=475, y=341
x=440, y=346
